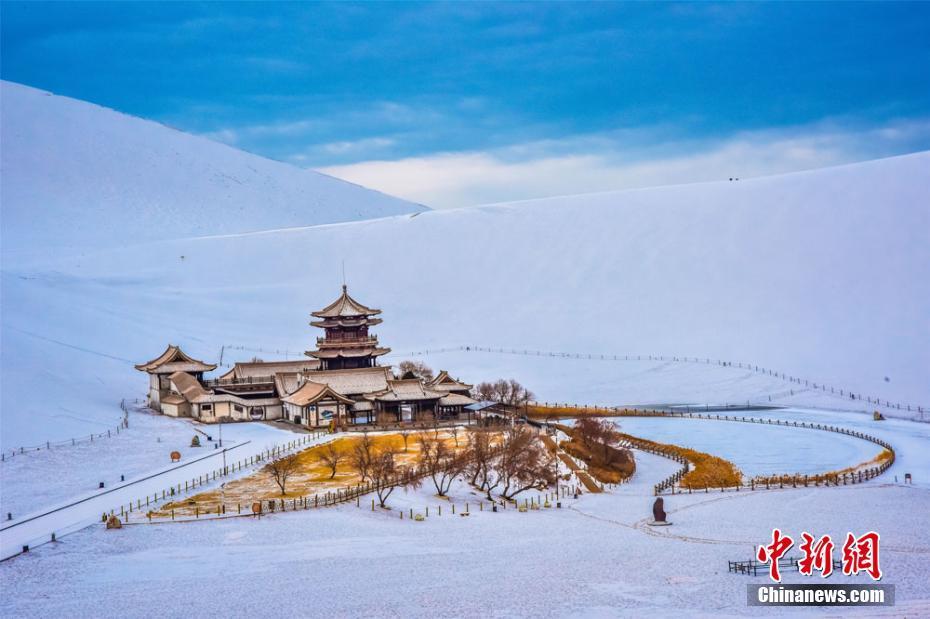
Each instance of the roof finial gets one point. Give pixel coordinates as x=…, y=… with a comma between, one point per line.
x=343, y=275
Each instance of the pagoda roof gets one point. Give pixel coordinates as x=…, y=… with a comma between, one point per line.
x=446, y=383
x=311, y=392
x=174, y=360
x=345, y=306
x=346, y=352
x=354, y=381
x=350, y=321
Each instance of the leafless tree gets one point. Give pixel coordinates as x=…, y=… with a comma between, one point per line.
x=484, y=392
x=523, y=462
x=361, y=457
x=442, y=463
x=480, y=455
x=282, y=469
x=332, y=457
x=503, y=391
x=455, y=434
x=385, y=473
x=599, y=436
x=405, y=433
x=417, y=369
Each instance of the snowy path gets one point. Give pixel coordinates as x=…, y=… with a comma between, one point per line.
x=85, y=509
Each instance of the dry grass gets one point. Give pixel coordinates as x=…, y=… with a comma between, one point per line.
x=555, y=412
x=559, y=412
x=830, y=476
x=708, y=471
x=311, y=478
x=613, y=473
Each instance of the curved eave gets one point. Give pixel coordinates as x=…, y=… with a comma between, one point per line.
x=174, y=355
x=347, y=354
x=345, y=307
x=329, y=323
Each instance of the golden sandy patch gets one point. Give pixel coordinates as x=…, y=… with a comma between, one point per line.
x=312, y=479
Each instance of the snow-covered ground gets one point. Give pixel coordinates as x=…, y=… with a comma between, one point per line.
x=757, y=449
x=57, y=490
x=37, y=479
x=593, y=557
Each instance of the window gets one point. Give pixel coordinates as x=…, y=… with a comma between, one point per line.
x=206, y=407
x=238, y=408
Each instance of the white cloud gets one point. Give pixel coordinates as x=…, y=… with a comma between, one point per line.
x=600, y=163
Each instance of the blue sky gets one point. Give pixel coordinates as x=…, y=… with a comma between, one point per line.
x=458, y=103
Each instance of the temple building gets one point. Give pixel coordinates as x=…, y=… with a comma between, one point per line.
x=164, y=365
x=340, y=384
x=347, y=344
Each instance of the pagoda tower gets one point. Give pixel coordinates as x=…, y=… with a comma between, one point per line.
x=347, y=343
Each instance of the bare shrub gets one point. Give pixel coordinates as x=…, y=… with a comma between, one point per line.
x=523, y=462
x=442, y=463
x=503, y=391
x=480, y=456
x=361, y=456
x=332, y=457
x=415, y=369
x=386, y=474
x=282, y=469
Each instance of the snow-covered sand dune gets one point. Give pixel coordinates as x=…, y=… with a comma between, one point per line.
x=822, y=274
x=80, y=175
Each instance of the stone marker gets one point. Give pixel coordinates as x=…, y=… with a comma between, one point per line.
x=658, y=510
x=658, y=514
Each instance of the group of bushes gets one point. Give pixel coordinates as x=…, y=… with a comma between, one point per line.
x=595, y=442
x=707, y=471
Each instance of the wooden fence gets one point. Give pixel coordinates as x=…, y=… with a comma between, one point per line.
x=917, y=410
x=671, y=483
x=144, y=504
x=112, y=432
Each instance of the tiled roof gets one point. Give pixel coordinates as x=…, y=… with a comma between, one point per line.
x=286, y=383
x=444, y=382
x=192, y=390
x=345, y=306
x=311, y=392
x=174, y=360
x=455, y=399
x=353, y=382
x=253, y=369
x=405, y=390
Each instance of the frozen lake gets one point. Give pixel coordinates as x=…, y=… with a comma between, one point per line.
x=755, y=448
